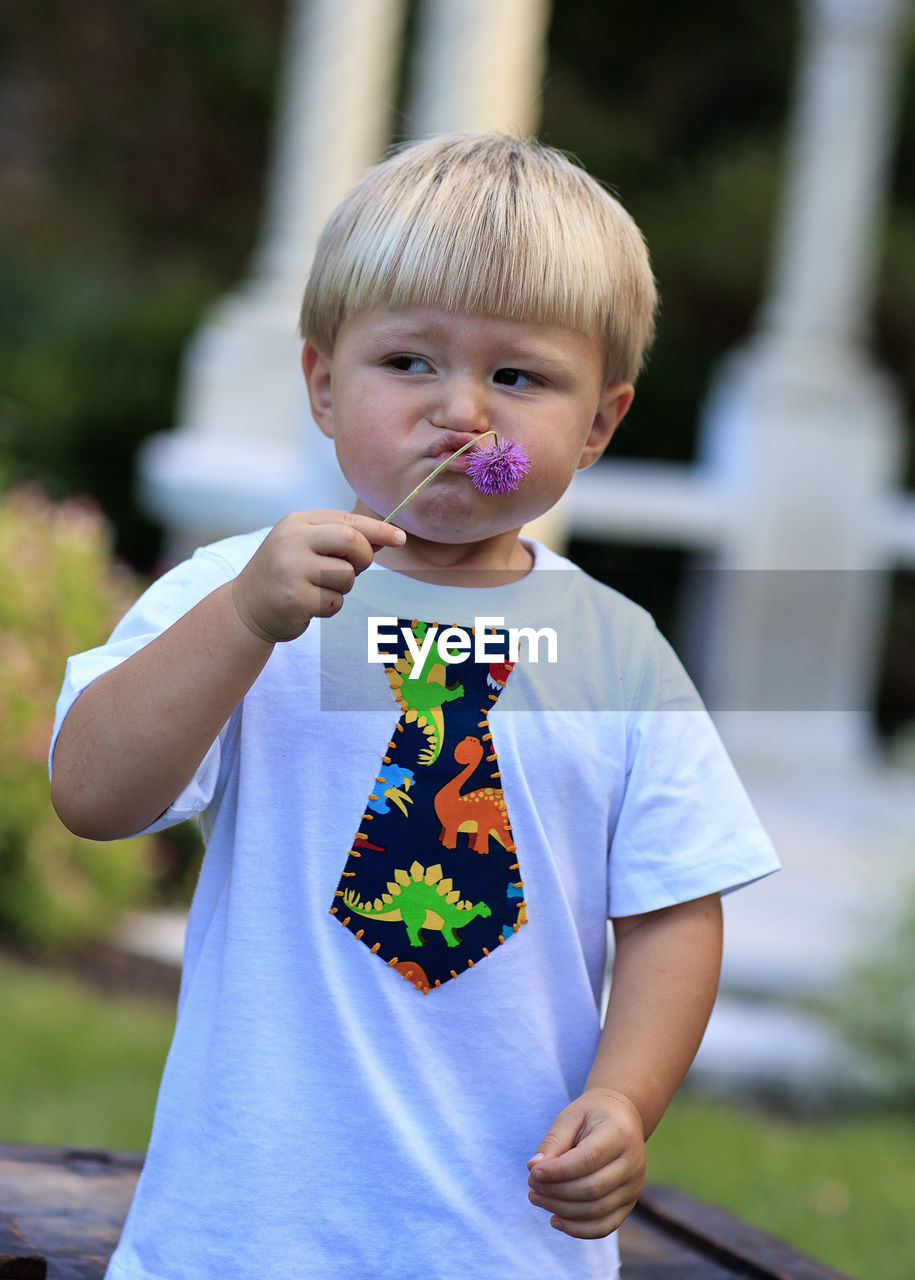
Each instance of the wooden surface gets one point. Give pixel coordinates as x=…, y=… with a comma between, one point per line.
x=61, y=1212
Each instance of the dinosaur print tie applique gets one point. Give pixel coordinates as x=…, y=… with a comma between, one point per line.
x=432, y=883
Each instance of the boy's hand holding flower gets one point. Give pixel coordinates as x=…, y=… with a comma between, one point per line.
x=304, y=568
x=310, y=559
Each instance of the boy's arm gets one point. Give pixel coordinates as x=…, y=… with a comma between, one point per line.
x=590, y=1167
x=134, y=738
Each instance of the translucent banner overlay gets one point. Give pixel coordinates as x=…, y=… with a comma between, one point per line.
x=751, y=640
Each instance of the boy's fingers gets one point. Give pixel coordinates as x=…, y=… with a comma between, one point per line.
x=353, y=538
x=589, y=1158
x=588, y=1209
x=572, y=1178
x=586, y=1137
x=579, y=1162
x=377, y=532
x=561, y=1138
x=373, y=530
x=591, y=1230
x=335, y=574
x=594, y=1203
x=591, y=1186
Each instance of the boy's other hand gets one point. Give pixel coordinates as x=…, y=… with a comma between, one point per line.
x=304, y=568
x=590, y=1168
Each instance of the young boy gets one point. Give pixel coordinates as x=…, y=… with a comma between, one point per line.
x=468, y=768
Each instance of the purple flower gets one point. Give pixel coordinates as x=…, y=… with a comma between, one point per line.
x=498, y=469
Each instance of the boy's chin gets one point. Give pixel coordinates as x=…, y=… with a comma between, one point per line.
x=453, y=515
x=453, y=531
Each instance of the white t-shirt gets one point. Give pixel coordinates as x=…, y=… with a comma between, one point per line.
x=319, y=1116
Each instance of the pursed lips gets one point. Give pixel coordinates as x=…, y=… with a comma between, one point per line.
x=449, y=442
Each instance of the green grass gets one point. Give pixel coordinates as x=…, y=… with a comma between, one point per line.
x=77, y=1068
x=841, y=1190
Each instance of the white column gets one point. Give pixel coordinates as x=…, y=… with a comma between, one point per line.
x=823, y=278
x=478, y=66
x=246, y=450
x=802, y=431
x=336, y=102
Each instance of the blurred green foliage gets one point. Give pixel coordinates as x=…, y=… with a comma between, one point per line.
x=130, y=186
x=840, y=1188
x=60, y=595
x=89, y=360
x=874, y=1011
x=85, y=1064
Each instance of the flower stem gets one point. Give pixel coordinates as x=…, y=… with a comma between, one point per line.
x=441, y=467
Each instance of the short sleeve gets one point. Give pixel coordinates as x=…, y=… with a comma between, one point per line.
x=167, y=600
x=686, y=827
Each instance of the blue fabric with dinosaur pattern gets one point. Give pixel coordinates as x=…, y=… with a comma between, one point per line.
x=432, y=883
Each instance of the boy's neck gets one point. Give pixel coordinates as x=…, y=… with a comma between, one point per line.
x=490, y=562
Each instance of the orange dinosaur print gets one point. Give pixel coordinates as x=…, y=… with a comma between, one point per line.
x=481, y=813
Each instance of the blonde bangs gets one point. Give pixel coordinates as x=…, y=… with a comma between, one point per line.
x=486, y=225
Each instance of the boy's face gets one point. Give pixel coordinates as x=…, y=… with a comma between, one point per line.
x=402, y=389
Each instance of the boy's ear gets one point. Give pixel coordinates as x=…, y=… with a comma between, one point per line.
x=614, y=403
x=316, y=367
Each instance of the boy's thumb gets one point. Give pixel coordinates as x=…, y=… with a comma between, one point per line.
x=560, y=1138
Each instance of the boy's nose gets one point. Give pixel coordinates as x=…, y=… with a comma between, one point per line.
x=461, y=407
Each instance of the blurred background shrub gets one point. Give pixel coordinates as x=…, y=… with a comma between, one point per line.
x=874, y=1011
x=62, y=593
x=133, y=140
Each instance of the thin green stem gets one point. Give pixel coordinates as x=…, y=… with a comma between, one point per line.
x=441, y=467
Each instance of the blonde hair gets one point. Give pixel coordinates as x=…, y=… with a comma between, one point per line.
x=491, y=225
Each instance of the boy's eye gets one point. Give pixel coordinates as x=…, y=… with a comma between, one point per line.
x=516, y=378
x=405, y=363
